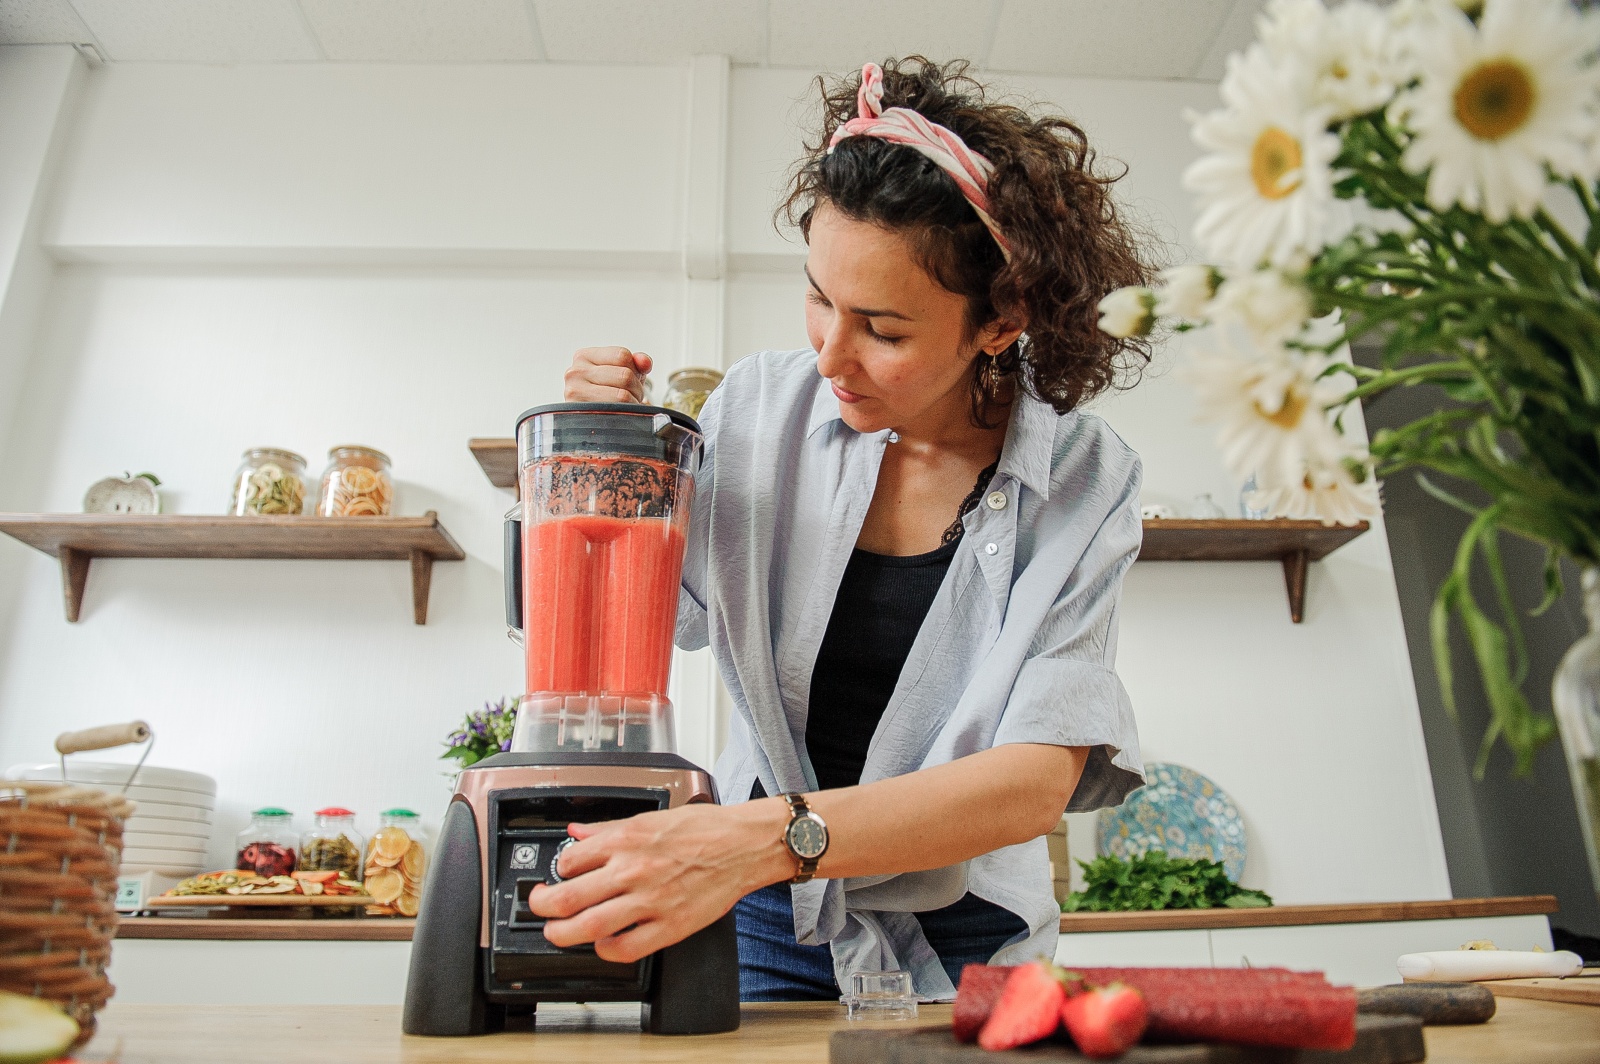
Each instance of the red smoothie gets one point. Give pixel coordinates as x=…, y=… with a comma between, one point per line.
x=600, y=601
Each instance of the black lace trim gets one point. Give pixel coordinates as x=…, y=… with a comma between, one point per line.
x=956, y=529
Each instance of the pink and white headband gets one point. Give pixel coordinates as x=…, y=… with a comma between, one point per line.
x=901, y=125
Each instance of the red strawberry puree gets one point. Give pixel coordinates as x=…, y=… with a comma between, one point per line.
x=600, y=594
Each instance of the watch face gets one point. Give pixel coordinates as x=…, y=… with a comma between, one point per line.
x=808, y=838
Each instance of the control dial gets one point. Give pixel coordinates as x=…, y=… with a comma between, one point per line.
x=555, y=873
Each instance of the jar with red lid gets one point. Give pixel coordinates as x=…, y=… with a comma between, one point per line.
x=333, y=844
x=268, y=846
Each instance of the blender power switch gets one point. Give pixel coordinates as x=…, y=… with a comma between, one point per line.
x=520, y=913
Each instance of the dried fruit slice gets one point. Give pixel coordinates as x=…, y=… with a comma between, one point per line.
x=385, y=887
x=414, y=862
x=389, y=845
x=315, y=877
x=380, y=910
x=407, y=904
x=310, y=888
x=32, y=1030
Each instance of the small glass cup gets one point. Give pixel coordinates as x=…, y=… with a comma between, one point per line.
x=880, y=997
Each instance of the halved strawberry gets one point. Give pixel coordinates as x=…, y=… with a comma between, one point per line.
x=1029, y=1008
x=1107, y=1021
x=981, y=986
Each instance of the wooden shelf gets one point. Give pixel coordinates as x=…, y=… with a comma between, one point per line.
x=77, y=539
x=234, y=929
x=1295, y=544
x=1309, y=915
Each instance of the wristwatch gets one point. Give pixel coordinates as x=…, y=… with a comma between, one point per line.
x=806, y=837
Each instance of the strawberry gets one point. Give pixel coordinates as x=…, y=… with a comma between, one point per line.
x=1106, y=1021
x=1029, y=1008
x=981, y=985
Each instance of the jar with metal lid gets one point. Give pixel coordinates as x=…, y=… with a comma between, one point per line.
x=689, y=388
x=357, y=483
x=333, y=844
x=395, y=862
x=269, y=481
x=268, y=846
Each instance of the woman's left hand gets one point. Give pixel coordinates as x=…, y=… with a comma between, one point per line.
x=635, y=886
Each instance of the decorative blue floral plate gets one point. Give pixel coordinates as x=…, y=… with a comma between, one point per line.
x=1180, y=811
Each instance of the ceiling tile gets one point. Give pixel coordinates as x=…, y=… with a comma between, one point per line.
x=199, y=31
x=423, y=31
x=1238, y=30
x=657, y=31
x=1093, y=38
x=840, y=35
x=41, y=22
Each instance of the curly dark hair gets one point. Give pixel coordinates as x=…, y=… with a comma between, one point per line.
x=1069, y=247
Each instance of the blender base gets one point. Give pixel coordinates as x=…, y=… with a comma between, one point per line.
x=478, y=952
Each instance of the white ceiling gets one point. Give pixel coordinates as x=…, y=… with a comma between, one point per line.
x=1081, y=38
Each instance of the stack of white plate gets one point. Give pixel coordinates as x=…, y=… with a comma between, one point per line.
x=170, y=829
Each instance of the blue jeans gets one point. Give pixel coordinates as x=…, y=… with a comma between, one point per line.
x=774, y=967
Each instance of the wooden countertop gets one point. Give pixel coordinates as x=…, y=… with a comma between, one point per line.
x=399, y=930
x=1528, y=1032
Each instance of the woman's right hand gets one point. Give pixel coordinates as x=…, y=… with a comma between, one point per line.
x=607, y=375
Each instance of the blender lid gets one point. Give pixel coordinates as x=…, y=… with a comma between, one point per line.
x=612, y=408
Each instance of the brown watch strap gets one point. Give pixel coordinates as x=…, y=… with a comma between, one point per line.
x=805, y=867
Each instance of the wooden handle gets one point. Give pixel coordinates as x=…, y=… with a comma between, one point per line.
x=102, y=738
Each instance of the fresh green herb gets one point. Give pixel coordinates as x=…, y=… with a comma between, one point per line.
x=1156, y=881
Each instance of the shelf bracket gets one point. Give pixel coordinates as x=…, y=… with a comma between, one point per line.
x=1296, y=564
x=74, y=577
x=421, y=581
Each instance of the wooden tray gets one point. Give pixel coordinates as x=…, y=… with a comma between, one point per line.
x=1379, y=1040
x=1581, y=989
x=262, y=901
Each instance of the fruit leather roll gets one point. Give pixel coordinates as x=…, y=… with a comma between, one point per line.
x=1249, y=1006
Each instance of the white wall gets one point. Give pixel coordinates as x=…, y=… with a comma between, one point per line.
x=405, y=256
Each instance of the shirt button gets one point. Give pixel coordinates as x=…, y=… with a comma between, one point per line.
x=991, y=549
x=997, y=500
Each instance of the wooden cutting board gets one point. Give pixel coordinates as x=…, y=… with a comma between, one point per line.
x=1379, y=1040
x=1581, y=989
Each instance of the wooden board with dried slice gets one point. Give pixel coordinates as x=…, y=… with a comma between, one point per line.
x=238, y=888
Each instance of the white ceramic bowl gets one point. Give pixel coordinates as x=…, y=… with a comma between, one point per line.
x=192, y=814
x=188, y=829
x=174, y=862
x=112, y=775
x=150, y=840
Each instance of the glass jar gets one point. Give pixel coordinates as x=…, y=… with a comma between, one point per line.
x=333, y=844
x=269, y=481
x=395, y=862
x=1575, y=692
x=356, y=483
x=689, y=388
x=267, y=846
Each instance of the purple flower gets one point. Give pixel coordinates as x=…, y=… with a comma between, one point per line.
x=505, y=746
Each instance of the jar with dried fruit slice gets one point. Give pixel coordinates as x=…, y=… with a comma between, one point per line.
x=268, y=846
x=394, y=865
x=357, y=483
x=333, y=845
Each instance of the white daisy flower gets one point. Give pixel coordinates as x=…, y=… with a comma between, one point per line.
x=1342, y=492
x=1127, y=312
x=1265, y=188
x=1271, y=405
x=1185, y=291
x=1499, y=101
x=1349, y=51
x=1268, y=302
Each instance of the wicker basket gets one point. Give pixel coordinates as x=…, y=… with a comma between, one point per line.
x=58, y=883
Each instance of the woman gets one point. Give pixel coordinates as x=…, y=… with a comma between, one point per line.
x=907, y=552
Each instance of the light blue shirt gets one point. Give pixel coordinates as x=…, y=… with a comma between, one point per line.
x=1019, y=645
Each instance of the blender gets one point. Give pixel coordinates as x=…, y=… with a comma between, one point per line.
x=594, y=556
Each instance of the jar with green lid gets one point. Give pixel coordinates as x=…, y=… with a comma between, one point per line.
x=689, y=388
x=268, y=846
x=394, y=864
x=333, y=844
x=269, y=481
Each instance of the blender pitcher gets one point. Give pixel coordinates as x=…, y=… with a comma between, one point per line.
x=594, y=559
